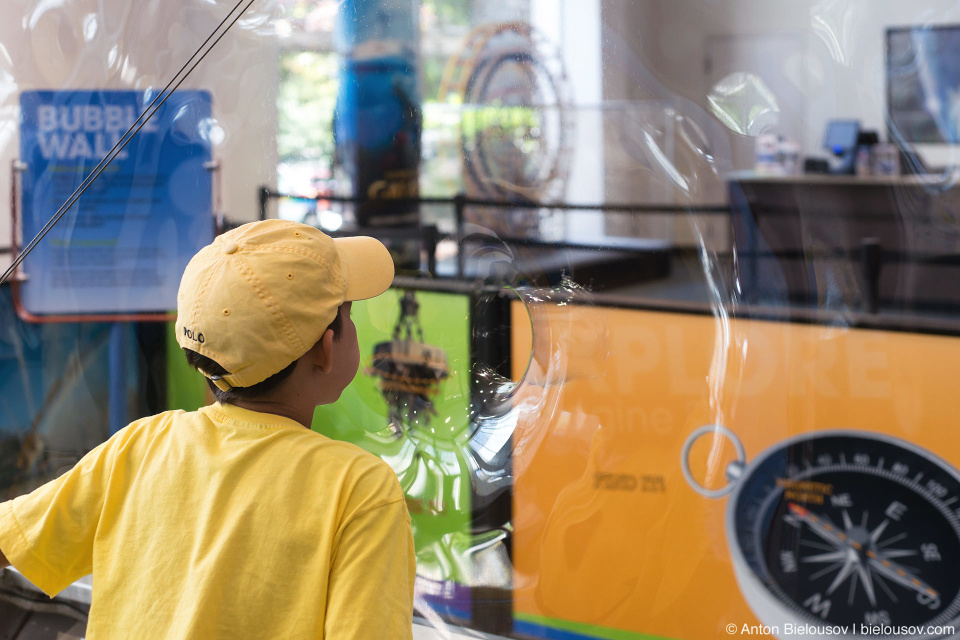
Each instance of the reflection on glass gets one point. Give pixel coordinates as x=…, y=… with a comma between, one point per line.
x=534, y=396
x=743, y=103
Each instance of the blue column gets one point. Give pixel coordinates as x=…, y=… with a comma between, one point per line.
x=379, y=112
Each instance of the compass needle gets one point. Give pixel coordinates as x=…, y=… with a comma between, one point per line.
x=819, y=525
x=902, y=575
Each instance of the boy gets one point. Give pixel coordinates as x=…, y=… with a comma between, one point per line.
x=237, y=520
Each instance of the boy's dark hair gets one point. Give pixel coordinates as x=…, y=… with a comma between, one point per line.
x=205, y=364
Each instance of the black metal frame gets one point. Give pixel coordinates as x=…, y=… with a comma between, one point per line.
x=430, y=235
x=870, y=255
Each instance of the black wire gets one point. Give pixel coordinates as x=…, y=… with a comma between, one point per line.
x=129, y=134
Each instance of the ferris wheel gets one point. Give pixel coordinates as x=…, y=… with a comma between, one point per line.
x=518, y=125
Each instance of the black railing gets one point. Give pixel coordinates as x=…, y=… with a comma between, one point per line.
x=460, y=202
x=429, y=234
x=868, y=259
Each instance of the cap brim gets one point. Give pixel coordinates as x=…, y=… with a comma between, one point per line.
x=367, y=264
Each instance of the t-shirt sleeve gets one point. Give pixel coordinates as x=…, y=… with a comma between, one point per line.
x=370, y=592
x=47, y=535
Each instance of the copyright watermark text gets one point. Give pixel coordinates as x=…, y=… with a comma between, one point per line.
x=791, y=629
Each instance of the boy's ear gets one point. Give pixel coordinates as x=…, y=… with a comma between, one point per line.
x=323, y=352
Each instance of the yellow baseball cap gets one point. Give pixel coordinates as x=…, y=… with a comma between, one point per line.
x=260, y=296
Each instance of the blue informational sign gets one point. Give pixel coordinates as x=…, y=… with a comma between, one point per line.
x=123, y=246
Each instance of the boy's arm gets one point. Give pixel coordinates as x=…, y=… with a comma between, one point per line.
x=48, y=534
x=3, y=561
x=373, y=571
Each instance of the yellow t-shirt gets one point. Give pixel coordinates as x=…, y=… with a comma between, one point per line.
x=223, y=523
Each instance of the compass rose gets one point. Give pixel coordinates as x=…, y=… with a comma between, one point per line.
x=856, y=553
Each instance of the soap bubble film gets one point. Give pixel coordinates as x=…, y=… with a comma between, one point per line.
x=671, y=348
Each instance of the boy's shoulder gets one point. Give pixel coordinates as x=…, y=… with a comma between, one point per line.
x=298, y=437
x=367, y=479
x=152, y=423
x=306, y=440
x=359, y=460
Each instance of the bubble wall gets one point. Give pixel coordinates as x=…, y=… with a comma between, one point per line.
x=669, y=350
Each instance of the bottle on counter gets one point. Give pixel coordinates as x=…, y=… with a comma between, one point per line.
x=788, y=157
x=765, y=157
x=864, y=161
x=886, y=160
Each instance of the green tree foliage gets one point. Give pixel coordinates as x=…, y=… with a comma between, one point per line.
x=306, y=100
x=451, y=12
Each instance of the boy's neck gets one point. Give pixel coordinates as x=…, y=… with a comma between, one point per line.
x=306, y=388
x=301, y=414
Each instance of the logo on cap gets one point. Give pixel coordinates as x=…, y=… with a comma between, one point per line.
x=196, y=337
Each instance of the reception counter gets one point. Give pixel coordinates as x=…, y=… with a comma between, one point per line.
x=843, y=241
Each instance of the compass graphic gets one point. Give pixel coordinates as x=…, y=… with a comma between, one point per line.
x=844, y=528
